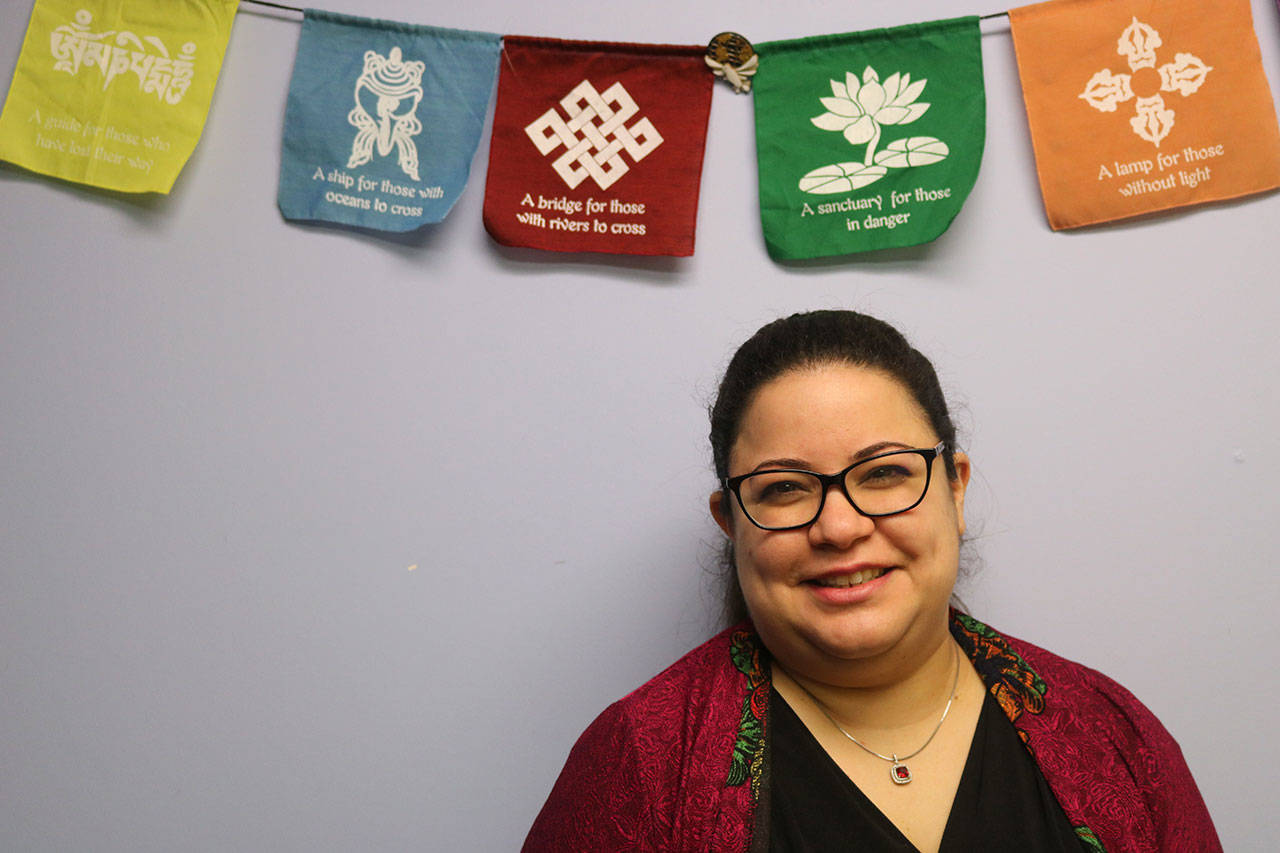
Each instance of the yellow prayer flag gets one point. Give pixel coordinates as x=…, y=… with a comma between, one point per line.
x=114, y=93
x=1137, y=106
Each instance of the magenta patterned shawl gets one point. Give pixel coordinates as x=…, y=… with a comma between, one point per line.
x=678, y=764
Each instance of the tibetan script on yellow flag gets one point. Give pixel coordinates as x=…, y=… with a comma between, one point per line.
x=114, y=93
x=1137, y=106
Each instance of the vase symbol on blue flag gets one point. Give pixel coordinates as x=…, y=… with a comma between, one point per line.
x=858, y=109
x=393, y=88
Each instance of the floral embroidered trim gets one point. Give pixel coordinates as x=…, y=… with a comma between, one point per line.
x=748, y=749
x=1089, y=841
x=1015, y=685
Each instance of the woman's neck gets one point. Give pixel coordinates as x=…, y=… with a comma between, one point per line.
x=880, y=696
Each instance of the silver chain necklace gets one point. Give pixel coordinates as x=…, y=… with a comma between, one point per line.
x=898, y=771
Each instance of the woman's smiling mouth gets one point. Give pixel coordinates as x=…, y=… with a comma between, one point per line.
x=852, y=579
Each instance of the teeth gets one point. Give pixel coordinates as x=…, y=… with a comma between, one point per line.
x=851, y=580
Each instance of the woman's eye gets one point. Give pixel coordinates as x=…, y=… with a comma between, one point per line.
x=782, y=490
x=883, y=475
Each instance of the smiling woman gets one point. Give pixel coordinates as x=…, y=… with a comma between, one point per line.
x=850, y=704
x=799, y=582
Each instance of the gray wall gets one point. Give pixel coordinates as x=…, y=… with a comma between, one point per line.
x=225, y=441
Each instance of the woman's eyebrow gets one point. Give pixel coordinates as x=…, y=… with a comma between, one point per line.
x=782, y=463
x=880, y=447
x=869, y=450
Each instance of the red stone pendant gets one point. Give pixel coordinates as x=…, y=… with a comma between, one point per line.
x=900, y=773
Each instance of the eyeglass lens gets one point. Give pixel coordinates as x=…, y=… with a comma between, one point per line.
x=880, y=486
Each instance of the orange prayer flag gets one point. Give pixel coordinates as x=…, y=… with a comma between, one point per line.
x=1137, y=106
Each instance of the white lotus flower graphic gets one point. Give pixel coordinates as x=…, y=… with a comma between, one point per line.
x=858, y=108
x=1152, y=121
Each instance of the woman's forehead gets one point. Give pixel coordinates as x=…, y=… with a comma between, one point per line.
x=828, y=407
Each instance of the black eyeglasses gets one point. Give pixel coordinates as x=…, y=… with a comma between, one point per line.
x=884, y=484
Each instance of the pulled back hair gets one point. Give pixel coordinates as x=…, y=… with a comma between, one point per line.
x=809, y=340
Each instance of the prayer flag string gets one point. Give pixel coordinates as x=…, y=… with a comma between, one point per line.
x=274, y=5
x=300, y=10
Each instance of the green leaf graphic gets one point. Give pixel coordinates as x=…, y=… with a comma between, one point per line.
x=841, y=178
x=912, y=151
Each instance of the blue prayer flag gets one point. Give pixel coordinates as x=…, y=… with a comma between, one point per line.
x=382, y=120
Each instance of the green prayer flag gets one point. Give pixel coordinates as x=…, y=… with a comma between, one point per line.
x=114, y=93
x=868, y=140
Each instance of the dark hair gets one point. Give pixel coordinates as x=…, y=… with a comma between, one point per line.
x=809, y=340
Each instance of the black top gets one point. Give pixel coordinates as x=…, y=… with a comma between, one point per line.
x=1003, y=802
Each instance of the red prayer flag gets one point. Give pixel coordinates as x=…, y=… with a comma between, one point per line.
x=597, y=147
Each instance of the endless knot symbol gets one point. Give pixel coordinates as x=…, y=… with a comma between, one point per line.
x=601, y=119
x=1138, y=44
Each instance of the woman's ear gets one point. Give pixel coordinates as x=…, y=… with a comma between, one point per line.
x=958, y=486
x=721, y=511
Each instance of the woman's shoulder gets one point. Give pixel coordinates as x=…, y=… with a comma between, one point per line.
x=1069, y=713
x=645, y=771
x=726, y=666
x=1035, y=673
x=1113, y=766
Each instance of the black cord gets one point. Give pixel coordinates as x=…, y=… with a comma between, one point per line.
x=296, y=9
x=274, y=5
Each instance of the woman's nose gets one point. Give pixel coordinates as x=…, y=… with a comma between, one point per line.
x=839, y=523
